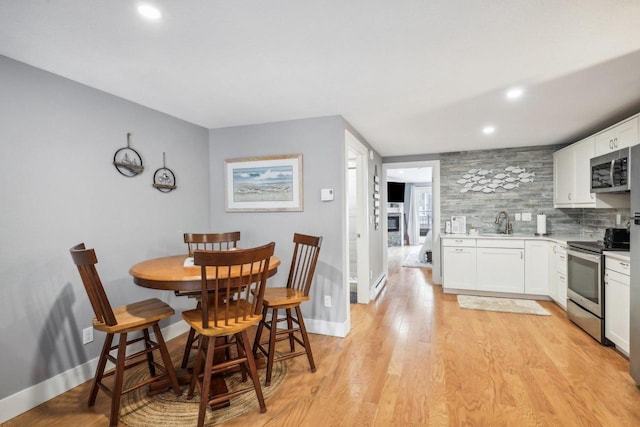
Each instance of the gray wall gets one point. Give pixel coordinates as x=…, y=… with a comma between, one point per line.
x=534, y=197
x=59, y=188
x=321, y=143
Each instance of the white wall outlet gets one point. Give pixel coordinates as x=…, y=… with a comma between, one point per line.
x=327, y=300
x=618, y=219
x=517, y=217
x=87, y=335
x=526, y=216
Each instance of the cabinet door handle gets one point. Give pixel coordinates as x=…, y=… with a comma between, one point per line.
x=615, y=142
x=521, y=255
x=624, y=264
x=611, y=143
x=569, y=196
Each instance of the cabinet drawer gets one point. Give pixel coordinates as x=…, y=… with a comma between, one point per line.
x=452, y=242
x=617, y=265
x=614, y=275
x=501, y=243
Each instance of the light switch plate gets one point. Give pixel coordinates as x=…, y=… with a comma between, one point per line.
x=526, y=216
x=517, y=217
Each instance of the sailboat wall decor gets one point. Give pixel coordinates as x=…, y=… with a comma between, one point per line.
x=127, y=161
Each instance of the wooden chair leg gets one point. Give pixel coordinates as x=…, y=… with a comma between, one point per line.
x=147, y=345
x=197, y=366
x=102, y=363
x=187, y=347
x=166, y=359
x=272, y=345
x=292, y=345
x=256, y=341
x=305, y=339
x=240, y=351
x=206, y=381
x=119, y=379
x=253, y=372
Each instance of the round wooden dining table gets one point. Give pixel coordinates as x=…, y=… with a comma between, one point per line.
x=170, y=273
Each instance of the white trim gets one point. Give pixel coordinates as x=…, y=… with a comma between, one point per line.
x=325, y=327
x=29, y=398
x=379, y=284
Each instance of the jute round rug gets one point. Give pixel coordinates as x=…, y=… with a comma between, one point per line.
x=137, y=409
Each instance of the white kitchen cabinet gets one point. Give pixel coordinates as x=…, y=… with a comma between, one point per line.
x=558, y=274
x=572, y=179
x=536, y=267
x=616, y=302
x=459, y=267
x=500, y=269
x=563, y=165
x=572, y=175
x=619, y=136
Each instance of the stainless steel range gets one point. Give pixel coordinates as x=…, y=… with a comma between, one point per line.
x=585, y=273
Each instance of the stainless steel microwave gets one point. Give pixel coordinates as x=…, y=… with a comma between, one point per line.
x=610, y=172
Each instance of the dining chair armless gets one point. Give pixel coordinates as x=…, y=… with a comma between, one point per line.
x=136, y=317
x=232, y=288
x=206, y=242
x=303, y=265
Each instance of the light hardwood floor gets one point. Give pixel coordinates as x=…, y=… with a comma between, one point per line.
x=413, y=357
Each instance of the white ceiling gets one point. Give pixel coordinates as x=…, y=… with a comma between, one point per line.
x=413, y=77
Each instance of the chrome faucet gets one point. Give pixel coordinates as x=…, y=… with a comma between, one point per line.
x=507, y=225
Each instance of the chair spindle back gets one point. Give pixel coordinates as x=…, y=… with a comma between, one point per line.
x=233, y=283
x=303, y=262
x=86, y=260
x=211, y=241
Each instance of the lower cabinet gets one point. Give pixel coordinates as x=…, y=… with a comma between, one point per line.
x=536, y=267
x=558, y=274
x=459, y=267
x=616, y=304
x=501, y=270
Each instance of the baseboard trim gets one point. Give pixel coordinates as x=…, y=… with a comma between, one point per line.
x=379, y=284
x=324, y=327
x=29, y=398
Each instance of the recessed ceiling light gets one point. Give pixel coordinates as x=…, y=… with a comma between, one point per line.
x=515, y=93
x=150, y=12
x=488, y=130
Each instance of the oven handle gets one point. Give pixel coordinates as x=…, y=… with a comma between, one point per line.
x=589, y=257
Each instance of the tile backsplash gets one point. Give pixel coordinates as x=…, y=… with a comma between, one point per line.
x=535, y=197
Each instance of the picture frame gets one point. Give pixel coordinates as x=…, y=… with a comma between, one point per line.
x=264, y=184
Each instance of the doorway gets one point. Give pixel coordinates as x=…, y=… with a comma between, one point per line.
x=417, y=205
x=357, y=225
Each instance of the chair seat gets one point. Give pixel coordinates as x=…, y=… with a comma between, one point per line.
x=194, y=319
x=136, y=316
x=283, y=297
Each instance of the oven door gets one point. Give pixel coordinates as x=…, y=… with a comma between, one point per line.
x=584, y=280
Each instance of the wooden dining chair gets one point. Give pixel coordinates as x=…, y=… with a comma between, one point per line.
x=232, y=287
x=211, y=242
x=289, y=298
x=137, y=317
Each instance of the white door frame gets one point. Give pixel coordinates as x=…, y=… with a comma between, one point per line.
x=362, y=227
x=435, y=165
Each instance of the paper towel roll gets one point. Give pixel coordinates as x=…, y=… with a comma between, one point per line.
x=542, y=224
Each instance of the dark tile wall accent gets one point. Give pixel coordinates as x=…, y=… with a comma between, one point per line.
x=535, y=197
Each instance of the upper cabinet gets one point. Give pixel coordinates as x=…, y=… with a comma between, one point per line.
x=572, y=175
x=617, y=137
x=572, y=169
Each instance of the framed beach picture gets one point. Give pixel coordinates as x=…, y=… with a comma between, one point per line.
x=256, y=184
